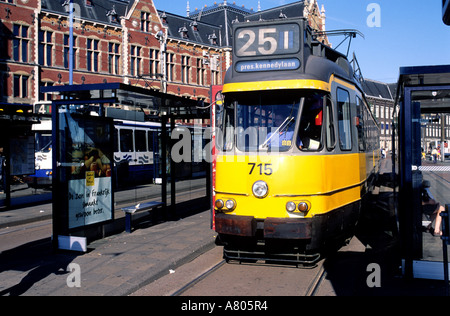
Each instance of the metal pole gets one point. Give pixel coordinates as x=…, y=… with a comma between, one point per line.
x=173, y=200
x=163, y=156
x=445, y=237
x=71, y=43
x=55, y=178
x=443, y=118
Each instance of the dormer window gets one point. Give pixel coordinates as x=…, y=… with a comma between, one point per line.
x=112, y=15
x=213, y=38
x=164, y=18
x=194, y=26
x=183, y=32
x=88, y=3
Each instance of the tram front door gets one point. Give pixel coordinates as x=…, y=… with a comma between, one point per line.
x=424, y=166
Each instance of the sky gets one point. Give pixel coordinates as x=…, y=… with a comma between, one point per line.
x=397, y=33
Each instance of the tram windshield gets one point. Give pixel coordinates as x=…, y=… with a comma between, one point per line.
x=43, y=142
x=267, y=121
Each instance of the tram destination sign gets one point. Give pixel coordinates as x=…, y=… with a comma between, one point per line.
x=268, y=65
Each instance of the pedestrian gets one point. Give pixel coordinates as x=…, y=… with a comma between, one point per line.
x=432, y=209
x=434, y=154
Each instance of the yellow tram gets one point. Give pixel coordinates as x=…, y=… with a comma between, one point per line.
x=297, y=147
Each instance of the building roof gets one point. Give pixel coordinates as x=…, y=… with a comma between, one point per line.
x=190, y=30
x=105, y=11
x=377, y=89
x=222, y=15
x=225, y=14
x=291, y=10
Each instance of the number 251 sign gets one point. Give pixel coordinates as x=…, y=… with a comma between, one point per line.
x=267, y=40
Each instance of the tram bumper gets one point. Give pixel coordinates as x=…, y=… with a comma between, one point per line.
x=288, y=228
x=273, y=228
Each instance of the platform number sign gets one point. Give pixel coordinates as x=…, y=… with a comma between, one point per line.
x=43, y=108
x=268, y=40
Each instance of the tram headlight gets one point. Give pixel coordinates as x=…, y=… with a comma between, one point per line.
x=290, y=206
x=260, y=189
x=230, y=205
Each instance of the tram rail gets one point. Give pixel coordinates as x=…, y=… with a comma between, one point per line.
x=317, y=276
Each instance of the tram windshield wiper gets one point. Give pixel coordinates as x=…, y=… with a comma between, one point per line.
x=287, y=122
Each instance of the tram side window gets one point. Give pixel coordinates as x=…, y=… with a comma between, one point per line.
x=150, y=140
x=126, y=140
x=225, y=126
x=140, y=141
x=344, y=118
x=310, y=130
x=116, y=140
x=360, y=120
x=329, y=125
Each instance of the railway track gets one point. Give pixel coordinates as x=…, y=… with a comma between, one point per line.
x=245, y=279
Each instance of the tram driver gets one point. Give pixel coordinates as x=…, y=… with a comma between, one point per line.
x=284, y=133
x=310, y=131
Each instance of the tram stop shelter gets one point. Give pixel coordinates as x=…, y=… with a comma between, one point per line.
x=423, y=118
x=90, y=123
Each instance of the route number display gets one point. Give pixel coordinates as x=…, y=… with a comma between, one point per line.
x=282, y=39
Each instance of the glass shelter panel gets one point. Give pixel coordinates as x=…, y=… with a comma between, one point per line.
x=424, y=167
x=115, y=148
x=432, y=164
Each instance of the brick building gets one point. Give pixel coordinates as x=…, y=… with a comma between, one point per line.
x=114, y=41
x=122, y=41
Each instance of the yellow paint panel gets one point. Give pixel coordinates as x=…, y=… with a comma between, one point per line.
x=324, y=182
x=285, y=84
x=276, y=85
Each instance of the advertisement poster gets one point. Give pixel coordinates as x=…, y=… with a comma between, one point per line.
x=89, y=200
x=87, y=153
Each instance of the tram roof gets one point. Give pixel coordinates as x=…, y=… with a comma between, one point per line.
x=430, y=85
x=319, y=68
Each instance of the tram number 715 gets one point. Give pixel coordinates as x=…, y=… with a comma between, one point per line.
x=263, y=168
